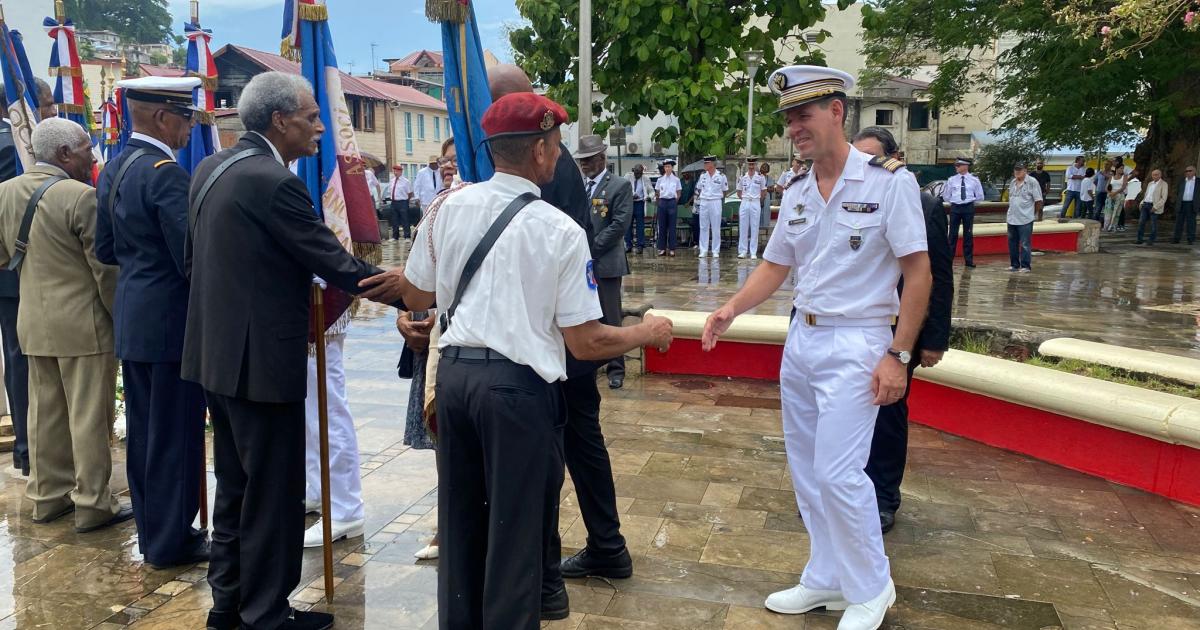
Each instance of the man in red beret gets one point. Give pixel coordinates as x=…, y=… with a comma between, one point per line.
x=514, y=275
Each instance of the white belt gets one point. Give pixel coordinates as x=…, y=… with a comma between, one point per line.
x=822, y=320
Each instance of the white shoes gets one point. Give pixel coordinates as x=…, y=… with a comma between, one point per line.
x=429, y=552
x=753, y=257
x=312, y=507
x=741, y=255
x=801, y=599
x=702, y=254
x=869, y=615
x=340, y=529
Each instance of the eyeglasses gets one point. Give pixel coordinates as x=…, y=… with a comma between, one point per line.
x=186, y=114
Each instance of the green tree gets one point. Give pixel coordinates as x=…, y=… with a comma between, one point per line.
x=675, y=57
x=995, y=162
x=1068, y=89
x=135, y=21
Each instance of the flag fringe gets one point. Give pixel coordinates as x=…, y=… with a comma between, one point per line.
x=66, y=71
x=71, y=108
x=206, y=118
x=453, y=11
x=289, y=52
x=369, y=252
x=313, y=12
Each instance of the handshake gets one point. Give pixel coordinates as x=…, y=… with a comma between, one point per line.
x=659, y=330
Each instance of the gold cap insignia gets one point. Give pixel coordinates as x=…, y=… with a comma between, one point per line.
x=780, y=81
x=547, y=121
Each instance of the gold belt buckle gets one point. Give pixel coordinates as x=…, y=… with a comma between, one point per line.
x=810, y=319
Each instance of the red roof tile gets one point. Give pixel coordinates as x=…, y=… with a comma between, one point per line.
x=151, y=70
x=270, y=61
x=405, y=94
x=411, y=58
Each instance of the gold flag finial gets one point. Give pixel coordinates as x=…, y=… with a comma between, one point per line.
x=60, y=11
x=196, y=12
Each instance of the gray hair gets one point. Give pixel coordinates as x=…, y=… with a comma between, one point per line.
x=268, y=93
x=52, y=134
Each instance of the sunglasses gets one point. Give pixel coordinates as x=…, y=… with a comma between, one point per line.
x=186, y=114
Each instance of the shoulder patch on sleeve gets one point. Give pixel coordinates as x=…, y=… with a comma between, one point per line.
x=891, y=164
x=163, y=162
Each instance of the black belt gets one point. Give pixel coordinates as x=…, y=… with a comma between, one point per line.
x=476, y=354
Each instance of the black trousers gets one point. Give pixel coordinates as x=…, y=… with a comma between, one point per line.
x=16, y=380
x=501, y=469
x=399, y=218
x=963, y=214
x=610, y=304
x=165, y=451
x=591, y=473
x=889, y=448
x=1186, y=220
x=258, y=514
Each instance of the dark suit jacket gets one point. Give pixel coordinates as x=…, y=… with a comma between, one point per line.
x=935, y=333
x=252, y=251
x=144, y=236
x=566, y=192
x=9, y=285
x=608, y=249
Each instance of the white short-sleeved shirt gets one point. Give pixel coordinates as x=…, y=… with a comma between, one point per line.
x=1072, y=171
x=536, y=280
x=710, y=187
x=668, y=187
x=752, y=186
x=1022, y=201
x=1087, y=189
x=817, y=238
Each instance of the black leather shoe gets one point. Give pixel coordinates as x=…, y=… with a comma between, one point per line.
x=616, y=381
x=307, y=620
x=887, y=520
x=55, y=516
x=971, y=265
x=589, y=563
x=556, y=606
x=222, y=621
x=199, y=554
x=122, y=515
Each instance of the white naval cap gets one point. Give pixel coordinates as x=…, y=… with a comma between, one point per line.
x=169, y=90
x=797, y=85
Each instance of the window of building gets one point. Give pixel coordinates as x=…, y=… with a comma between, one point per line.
x=362, y=113
x=408, y=136
x=420, y=126
x=918, y=116
x=368, y=116
x=883, y=117
x=449, y=133
x=437, y=130
x=812, y=38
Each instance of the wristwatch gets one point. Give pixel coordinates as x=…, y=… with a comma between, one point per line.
x=903, y=356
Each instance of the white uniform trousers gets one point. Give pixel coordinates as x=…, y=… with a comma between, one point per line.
x=828, y=423
x=709, y=211
x=345, y=485
x=748, y=216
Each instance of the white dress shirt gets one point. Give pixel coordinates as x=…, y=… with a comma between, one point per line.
x=274, y=151
x=1072, y=171
x=952, y=192
x=668, y=187
x=1189, y=189
x=401, y=188
x=158, y=144
x=426, y=185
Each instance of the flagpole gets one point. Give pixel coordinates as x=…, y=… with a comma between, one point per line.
x=318, y=309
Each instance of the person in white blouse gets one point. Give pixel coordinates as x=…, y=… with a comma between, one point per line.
x=668, y=188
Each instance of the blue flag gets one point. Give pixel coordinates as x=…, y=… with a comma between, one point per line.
x=21, y=93
x=467, y=95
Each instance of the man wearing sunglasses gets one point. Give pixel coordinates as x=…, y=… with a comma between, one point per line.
x=141, y=224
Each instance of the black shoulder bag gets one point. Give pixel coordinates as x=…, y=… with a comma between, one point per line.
x=194, y=210
x=22, y=243
x=481, y=252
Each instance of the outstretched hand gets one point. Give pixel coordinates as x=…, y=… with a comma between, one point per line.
x=385, y=288
x=716, y=325
x=660, y=329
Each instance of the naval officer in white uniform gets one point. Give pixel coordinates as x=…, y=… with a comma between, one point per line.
x=710, y=191
x=850, y=228
x=752, y=189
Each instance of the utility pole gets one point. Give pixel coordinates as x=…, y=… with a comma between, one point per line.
x=373, y=45
x=585, y=68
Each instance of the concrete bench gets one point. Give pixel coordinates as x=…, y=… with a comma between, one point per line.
x=1133, y=436
x=1128, y=359
x=1048, y=236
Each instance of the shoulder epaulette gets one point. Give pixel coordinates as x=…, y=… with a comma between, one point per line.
x=891, y=164
x=795, y=178
x=161, y=162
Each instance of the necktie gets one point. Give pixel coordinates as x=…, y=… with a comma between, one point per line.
x=962, y=187
x=591, y=186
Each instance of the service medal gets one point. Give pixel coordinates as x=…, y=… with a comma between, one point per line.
x=856, y=241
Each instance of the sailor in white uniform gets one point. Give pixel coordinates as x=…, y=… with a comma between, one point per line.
x=850, y=228
x=752, y=188
x=710, y=193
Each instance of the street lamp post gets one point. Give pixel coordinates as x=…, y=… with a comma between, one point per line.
x=585, y=68
x=753, y=58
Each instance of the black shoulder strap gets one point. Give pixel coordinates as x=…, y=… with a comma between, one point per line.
x=481, y=252
x=194, y=211
x=22, y=244
x=116, y=183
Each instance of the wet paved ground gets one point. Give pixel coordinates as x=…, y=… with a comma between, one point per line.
x=985, y=538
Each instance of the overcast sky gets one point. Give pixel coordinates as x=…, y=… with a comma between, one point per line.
x=398, y=27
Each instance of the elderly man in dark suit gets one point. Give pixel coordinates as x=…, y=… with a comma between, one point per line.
x=254, y=245
x=16, y=366
x=889, y=446
x=141, y=226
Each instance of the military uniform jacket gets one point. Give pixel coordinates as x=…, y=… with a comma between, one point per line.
x=144, y=236
x=66, y=307
x=251, y=254
x=611, y=212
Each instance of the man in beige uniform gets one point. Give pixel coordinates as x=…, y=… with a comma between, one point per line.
x=65, y=327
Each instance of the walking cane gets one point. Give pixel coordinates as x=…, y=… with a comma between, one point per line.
x=318, y=305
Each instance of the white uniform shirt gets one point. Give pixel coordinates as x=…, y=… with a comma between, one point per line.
x=1022, y=198
x=1087, y=189
x=952, y=192
x=710, y=187
x=786, y=177
x=815, y=237
x=668, y=187
x=427, y=185
x=1072, y=170
x=537, y=278
x=400, y=188
x=751, y=186
x=1189, y=189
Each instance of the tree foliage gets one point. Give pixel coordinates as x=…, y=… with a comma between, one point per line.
x=1137, y=23
x=995, y=162
x=1067, y=90
x=135, y=21
x=677, y=57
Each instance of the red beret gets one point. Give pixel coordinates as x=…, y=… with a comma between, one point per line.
x=522, y=113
